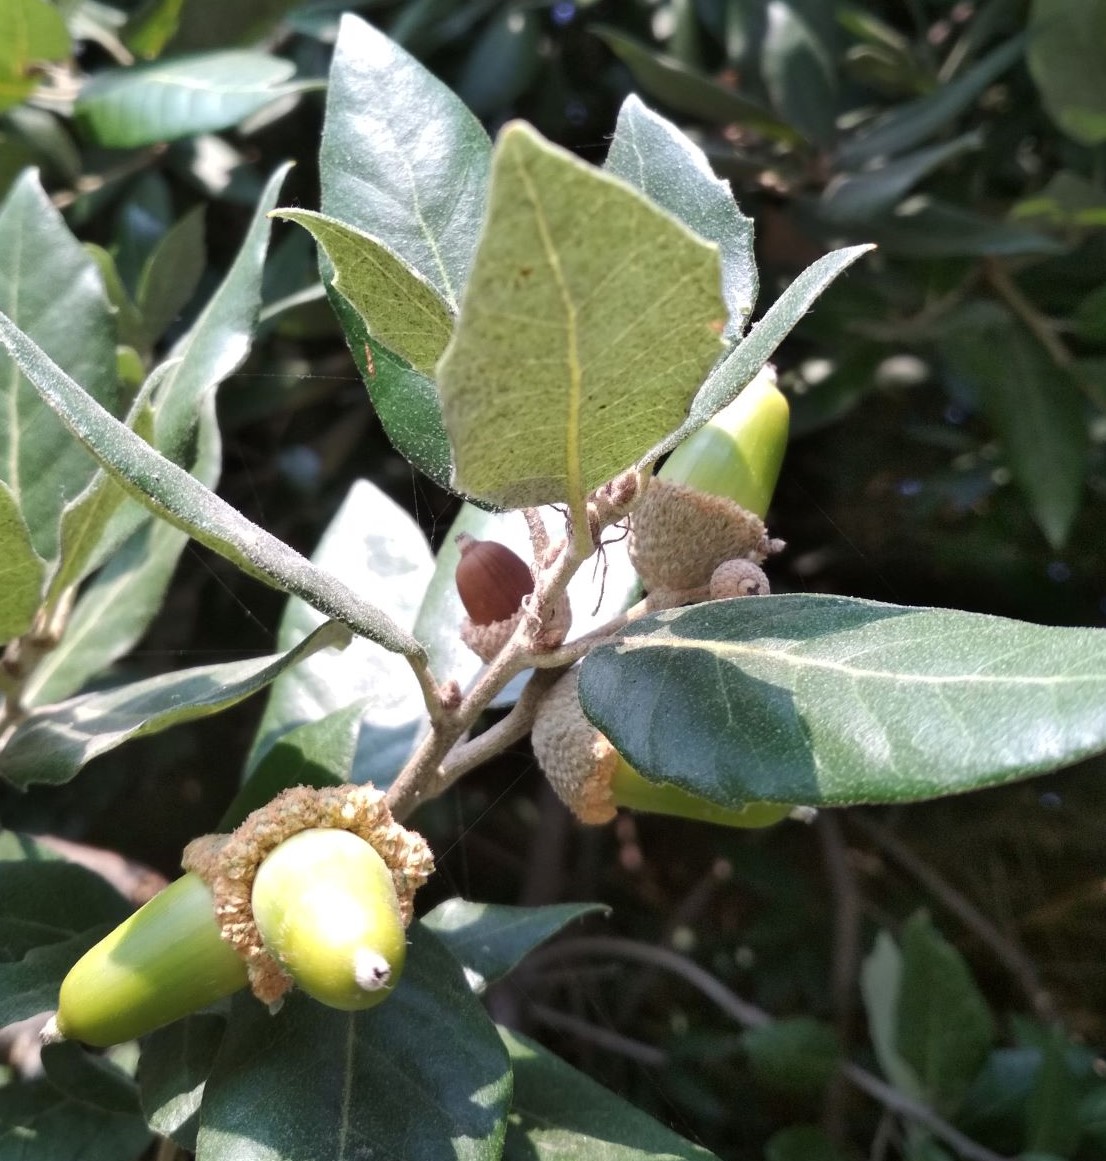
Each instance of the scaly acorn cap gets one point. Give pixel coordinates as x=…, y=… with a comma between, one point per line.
x=738, y=578
x=679, y=536
x=229, y=863
x=575, y=757
x=706, y=505
x=593, y=779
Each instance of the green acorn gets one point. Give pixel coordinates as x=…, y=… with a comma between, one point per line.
x=327, y=911
x=164, y=961
x=316, y=888
x=592, y=779
x=739, y=453
x=706, y=505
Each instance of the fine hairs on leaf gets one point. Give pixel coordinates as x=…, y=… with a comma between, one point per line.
x=594, y=620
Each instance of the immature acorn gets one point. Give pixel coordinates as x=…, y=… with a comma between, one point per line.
x=315, y=888
x=706, y=504
x=592, y=779
x=492, y=582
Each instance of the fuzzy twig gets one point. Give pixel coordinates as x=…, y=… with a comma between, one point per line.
x=431, y=769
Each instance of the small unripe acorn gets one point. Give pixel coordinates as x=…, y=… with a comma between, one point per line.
x=592, y=779
x=706, y=504
x=327, y=911
x=492, y=580
x=164, y=961
x=314, y=888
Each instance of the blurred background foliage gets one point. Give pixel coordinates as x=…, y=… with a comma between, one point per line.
x=949, y=408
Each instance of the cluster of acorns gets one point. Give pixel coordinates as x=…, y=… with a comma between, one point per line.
x=696, y=534
x=316, y=888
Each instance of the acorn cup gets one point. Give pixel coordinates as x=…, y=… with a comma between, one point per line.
x=706, y=505
x=592, y=779
x=698, y=532
x=493, y=581
x=315, y=889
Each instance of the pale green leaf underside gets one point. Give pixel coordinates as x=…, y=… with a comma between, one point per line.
x=741, y=365
x=588, y=323
x=400, y=308
x=174, y=495
x=829, y=700
x=669, y=168
x=52, y=744
x=22, y=570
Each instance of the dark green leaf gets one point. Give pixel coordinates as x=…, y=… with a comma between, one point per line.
x=22, y=570
x=558, y=1112
x=924, y=227
x=62, y=896
x=502, y=62
x=814, y=699
x=1035, y=406
x=39, y=1123
x=51, y=290
x=801, y=1143
x=404, y=160
x=174, y=495
x=655, y=157
x=796, y=1055
x=30, y=984
x=171, y=275
x=399, y=307
x=489, y=941
x=423, y=1075
x=909, y=125
x=1052, y=1115
x=1092, y=1115
x=54, y=743
x=798, y=73
x=740, y=366
x=994, y=1107
x=880, y=985
x=175, y=1064
x=406, y=402
x=92, y=1080
x=318, y=753
x=143, y=104
x=687, y=91
x=1066, y=38
x=150, y=27
x=611, y=316
x=208, y=24
x=373, y=546
x=51, y=912
x=853, y=198
x=943, y=1028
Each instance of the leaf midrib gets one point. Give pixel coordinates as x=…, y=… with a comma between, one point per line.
x=729, y=649
x=574, y=486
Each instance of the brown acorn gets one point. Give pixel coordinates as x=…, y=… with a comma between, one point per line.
x=491, y=580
